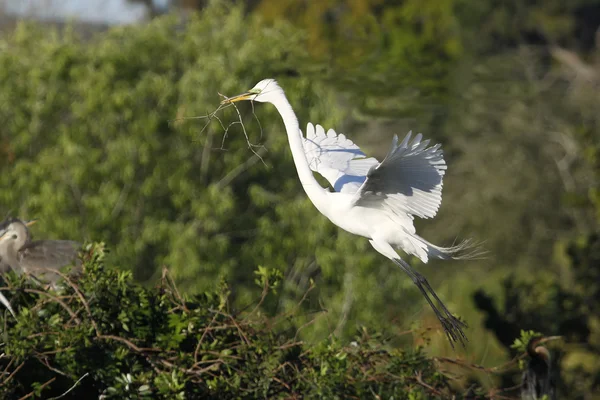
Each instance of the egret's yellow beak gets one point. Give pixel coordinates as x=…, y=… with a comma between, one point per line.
x=31, y=222
x=239, y=97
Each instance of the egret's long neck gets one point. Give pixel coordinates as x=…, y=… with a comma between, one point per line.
x=312, y=188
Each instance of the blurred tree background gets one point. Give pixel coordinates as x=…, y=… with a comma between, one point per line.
x=92, y=144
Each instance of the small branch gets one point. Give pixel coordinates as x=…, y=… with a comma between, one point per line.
x=42, y=386
x=77, y=291
x=237, y=171
x=494, y=370
x=71, y=388
x=166, y=276
x=56, y=299
x=51, y=368
x=419, y=380
x=263, y=296
x=202, y=338
x=129, y=344
x=12, y=374
x=240, y=121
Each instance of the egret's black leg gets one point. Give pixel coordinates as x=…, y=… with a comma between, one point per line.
x=452, y=326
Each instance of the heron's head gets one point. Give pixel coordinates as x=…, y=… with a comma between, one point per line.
x=265, y=91
x=13, y=230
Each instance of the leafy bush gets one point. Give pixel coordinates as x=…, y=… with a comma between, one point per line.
x=103, y=335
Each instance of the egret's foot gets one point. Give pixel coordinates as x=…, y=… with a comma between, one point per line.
x=453, y=327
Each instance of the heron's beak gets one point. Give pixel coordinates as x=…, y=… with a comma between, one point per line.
x=31, y=222
x=239, y=97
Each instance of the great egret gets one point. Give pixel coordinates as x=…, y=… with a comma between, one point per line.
x=38, y=258
x=371, y=199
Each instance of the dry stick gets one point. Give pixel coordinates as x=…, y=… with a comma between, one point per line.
x=212, y=115
x=190, y=370
x=8, y=366
x=71, y=388
x=419, y=380
x=166, y=276
x=511, y=388
x=12, y=374
x=42, y=302
x=226, y=132
x=492, y=394
x=288, y=345
x=209, y=117
x=52, y=352
x=51, y=368
x=130, y=344
x=257, y=155
x=494, y=370
x=263, y=296
x=281, y=382
x=202, y=338
x=378, y=397
x=312, y=321
x=134, y=348
x=56, y=299
x=297, y=306
x=42, y=386
x=250, y=144
x=239, y=329
x=257, y=120
x=81, y=297
x=217, y=360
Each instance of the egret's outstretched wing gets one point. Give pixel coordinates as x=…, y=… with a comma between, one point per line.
x=408, y=180
x=337, y=158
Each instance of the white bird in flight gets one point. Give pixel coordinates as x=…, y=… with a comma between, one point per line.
x=377, y=200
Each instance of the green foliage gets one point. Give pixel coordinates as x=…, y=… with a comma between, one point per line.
x=495, y=25
x=103, y=335
x=268, y=279
x=387, y=57
x=520, y=344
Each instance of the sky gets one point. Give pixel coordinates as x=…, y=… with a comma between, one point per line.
x=98, y=11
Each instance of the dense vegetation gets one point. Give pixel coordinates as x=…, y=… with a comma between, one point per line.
x=91, y=144
x=105, y=336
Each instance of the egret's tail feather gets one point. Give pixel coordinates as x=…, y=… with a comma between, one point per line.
x=424, y=250
x=468, y=249
x=465, y=250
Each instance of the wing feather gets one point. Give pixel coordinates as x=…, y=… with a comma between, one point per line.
x=47, y=254
x=408, y=180
x=336, y=158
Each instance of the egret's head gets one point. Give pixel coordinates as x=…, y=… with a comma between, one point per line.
x=13, y=229
x=264, y=91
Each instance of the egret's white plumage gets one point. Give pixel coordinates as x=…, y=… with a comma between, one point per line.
x=377, y=200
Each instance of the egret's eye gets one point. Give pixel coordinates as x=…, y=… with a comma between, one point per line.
x=14, y=236
x=254, y=91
